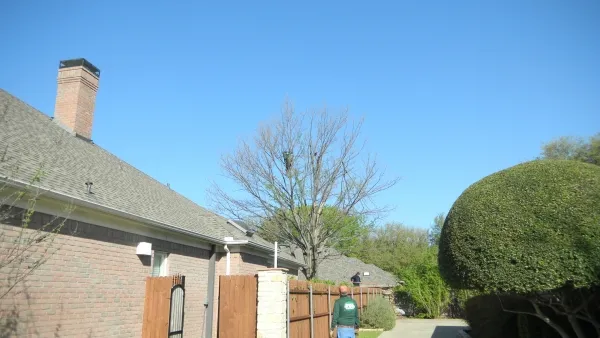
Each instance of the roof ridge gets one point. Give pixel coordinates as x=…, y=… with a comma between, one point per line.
x=106, y=152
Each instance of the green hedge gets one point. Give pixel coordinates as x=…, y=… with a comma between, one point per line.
x=531, y=227
x=379, y=314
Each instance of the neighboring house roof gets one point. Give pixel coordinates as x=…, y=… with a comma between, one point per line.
x=30, y=141
x=340, y=268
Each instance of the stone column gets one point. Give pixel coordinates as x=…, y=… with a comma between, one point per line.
x=271, y=312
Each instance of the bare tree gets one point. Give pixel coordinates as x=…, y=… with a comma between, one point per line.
x=26, y=241
x=27, y=245
x=293, y=170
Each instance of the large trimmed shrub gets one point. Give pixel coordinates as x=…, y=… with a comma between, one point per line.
x=529, y=228
x=378, y=315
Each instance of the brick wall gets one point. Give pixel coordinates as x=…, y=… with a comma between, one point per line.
x=248, y=264
x=93, y=283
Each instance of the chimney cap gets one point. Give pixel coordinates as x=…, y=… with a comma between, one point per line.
x=80, y=62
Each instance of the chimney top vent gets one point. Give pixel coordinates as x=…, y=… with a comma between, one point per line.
x=80, y=62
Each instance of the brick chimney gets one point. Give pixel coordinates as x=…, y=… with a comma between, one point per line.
x=76, y=96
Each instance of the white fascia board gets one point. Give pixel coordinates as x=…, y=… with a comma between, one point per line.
x=18, y=184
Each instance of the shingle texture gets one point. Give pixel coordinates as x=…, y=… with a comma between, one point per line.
x=30, y=142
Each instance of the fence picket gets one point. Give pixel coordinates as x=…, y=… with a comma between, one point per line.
x=237, y=306
x=310, y=313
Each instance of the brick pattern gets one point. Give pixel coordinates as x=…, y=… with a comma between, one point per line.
x=76, y=99
x=196, y=283
x=93, y=283
x=250, y=264
x=271, y=310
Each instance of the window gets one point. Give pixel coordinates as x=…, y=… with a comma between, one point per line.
x=159, y=264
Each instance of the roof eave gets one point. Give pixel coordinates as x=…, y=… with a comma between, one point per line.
x=279, y=258
x=18, y=184
x=113, y=211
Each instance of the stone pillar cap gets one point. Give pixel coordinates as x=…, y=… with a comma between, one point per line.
x=273, y=269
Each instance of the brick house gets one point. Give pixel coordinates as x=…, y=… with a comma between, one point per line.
x=93, y=283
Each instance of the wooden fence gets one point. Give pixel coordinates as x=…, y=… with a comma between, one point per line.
x=237, y=306
x=164, y=306
x=310, y=307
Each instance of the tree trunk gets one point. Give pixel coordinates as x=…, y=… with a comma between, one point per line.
x=313, y=262
x=523, y=325
x=576, y=326
x=542, y=316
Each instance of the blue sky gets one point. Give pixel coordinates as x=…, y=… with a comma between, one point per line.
x=450, y=91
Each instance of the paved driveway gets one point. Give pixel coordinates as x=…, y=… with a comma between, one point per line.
x=425, y=328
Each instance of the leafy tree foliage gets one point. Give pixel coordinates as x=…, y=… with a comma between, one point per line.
x=393, y=247
x=408, y=253
x=348, y=229
x=574, y=148
x=436, y=229
x=425, y=286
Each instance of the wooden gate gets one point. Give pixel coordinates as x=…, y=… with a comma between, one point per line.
x=237, y=306
x=160, y=321
x=177, y=307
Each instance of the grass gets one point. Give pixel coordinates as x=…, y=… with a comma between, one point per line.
x=369, y=334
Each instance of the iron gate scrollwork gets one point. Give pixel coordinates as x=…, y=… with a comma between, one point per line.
x=177, y=306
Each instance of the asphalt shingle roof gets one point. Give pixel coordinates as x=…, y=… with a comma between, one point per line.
x=30, y=140
x=339, y=268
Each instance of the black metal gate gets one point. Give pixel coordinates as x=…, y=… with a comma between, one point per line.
x=177, y=307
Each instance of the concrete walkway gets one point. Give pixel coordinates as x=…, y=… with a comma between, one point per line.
x=425, y=328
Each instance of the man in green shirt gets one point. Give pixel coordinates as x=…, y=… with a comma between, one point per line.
x=345, y=316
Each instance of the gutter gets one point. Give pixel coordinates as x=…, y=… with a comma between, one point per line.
x=95, y=206
x=228, y=264
x=210, y=297
x=269, y=249
x=231, y=241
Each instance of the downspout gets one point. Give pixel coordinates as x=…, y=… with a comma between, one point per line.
x=227, y=267
x=210, y=297
x=275, y=260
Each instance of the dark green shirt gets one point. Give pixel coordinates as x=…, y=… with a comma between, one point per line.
x=345, y=312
